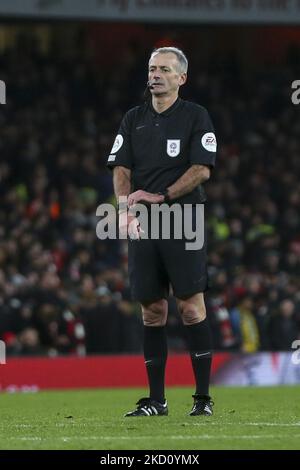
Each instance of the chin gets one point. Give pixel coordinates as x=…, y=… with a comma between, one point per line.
x=158, y=92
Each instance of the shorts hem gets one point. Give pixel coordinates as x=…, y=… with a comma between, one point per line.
x=149, y=300
x=188, y=293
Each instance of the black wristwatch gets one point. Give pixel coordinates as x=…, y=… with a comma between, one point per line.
x=165, y=194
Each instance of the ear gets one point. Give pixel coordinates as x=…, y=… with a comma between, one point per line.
x=182, y=79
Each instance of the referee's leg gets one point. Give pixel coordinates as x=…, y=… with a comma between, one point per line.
x=155, y=346
x=193, y=313
x=150, y=285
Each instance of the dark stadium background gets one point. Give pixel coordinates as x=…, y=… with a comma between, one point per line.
x=63, y=291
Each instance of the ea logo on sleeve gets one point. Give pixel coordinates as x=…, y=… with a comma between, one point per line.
x=209, y=142
x=117, y=143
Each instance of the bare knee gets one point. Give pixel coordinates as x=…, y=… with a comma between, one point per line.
x=155, y=314
x=192, y=310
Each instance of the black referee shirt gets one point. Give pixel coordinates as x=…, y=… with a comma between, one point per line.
x=159, y=147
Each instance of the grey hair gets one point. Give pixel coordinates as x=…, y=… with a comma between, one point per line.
x=181, y=57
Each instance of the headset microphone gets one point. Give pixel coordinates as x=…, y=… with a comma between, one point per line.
x=147, y=94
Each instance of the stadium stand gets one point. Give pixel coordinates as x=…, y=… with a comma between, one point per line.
x=63, y=291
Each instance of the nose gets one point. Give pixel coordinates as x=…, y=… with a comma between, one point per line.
x=156, y=75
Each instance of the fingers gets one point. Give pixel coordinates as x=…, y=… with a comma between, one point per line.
x=129, y=226
x=140, y=196
x=135, y=197
x=134, y=230
x=143, y=196
x=130, y=201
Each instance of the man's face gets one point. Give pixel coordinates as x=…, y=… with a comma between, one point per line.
x=164, y=74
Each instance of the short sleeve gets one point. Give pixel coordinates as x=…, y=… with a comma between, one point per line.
x=121, y=154
x=203, y=146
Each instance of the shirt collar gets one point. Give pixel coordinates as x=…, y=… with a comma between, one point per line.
x=168, y=111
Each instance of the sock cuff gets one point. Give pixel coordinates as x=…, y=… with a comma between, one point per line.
x=199, y=338
x=155, y=343
x=199, y=324
x=154, y=328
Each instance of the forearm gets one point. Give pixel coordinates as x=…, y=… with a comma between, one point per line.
x=122, y=181
x=128, y=223
x=194, y=176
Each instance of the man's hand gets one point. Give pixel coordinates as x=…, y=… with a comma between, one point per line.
x=143, y=196
x=129, y=226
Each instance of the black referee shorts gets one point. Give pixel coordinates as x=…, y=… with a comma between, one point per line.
x=155, y=265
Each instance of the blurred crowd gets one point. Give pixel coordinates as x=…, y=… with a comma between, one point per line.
x=62, y=290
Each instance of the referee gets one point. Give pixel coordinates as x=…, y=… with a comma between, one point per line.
x=163, y=153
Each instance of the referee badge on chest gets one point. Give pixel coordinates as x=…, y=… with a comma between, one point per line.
x=173, y=147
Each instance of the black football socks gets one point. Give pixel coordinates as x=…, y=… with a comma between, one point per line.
x=200, y=346
x=155, y=353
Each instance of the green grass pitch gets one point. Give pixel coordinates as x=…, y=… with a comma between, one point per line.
x=244, y=418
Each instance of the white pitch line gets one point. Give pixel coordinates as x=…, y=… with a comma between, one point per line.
x=272, y=424
x=99, y=425
x=125, y=438
x=248, y=424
